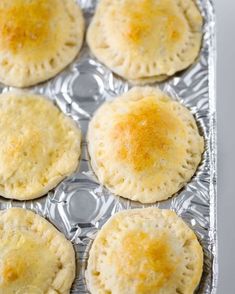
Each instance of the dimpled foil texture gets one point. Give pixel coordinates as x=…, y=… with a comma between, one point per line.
x=79, y=206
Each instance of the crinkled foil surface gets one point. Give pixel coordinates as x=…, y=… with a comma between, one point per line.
x=79, y=206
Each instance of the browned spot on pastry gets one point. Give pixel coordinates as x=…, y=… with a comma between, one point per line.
x=145, y=260
x=25, y=24
x=145, y=135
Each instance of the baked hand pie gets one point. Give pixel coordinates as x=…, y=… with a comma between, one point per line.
x=145, y=251
x=38, y=39
x=146, y=40
x=40, y=146
x=144, y=146
x=34, y=256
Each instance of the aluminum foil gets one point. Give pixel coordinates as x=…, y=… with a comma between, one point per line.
x=80, y=206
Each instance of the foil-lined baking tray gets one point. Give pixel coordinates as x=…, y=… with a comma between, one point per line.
x=80, y=206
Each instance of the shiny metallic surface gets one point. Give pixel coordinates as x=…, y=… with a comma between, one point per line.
x=79, y=206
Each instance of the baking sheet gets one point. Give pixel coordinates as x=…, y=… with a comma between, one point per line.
x=79, y=206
